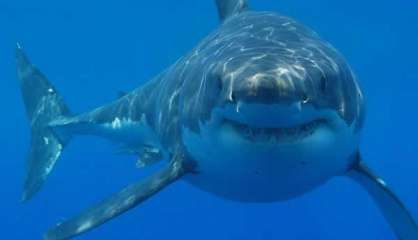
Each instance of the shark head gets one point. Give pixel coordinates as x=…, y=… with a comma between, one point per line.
x=278, y=114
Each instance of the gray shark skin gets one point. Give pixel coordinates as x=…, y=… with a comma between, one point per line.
x=262, y=110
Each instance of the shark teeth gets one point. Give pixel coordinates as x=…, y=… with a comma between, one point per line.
x=274, y=135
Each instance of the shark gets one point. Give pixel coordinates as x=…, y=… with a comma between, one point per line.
x=261, y=110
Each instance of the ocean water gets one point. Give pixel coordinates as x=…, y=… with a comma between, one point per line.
x=91, y=50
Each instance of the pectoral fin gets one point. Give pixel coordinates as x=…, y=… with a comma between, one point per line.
x=118, y=203
x=391, y=207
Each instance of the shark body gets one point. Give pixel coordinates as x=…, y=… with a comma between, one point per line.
x=262, y=110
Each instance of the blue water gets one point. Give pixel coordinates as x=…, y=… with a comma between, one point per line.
x=91, y=50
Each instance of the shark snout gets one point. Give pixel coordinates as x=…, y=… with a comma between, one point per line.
x=269, y=89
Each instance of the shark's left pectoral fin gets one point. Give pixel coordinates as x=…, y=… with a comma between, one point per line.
x=119, y=203
x=396, y=214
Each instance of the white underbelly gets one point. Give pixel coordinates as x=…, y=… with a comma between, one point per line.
x=238, y=169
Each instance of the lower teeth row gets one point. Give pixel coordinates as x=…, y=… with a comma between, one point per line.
x=276, y=134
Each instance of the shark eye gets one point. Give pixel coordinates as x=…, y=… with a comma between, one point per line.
x=218, y=82
x=323, y=84
x=305, y=98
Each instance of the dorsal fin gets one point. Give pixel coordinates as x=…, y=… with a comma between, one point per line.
x=229, y=8
x=122, y=94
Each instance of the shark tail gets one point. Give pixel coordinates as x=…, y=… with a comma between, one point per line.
x=43, y=104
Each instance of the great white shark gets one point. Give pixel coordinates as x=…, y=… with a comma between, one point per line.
x=262, y=110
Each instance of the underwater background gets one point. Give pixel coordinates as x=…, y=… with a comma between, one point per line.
x=91, y=50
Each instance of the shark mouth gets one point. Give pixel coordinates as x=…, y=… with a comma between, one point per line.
x=276, y=134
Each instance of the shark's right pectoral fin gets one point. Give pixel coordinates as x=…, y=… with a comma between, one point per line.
x=118, y=203
x=391, y=207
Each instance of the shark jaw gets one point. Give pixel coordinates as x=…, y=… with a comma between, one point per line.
x=268, y=153
x=275, y=135
x=274, y=124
